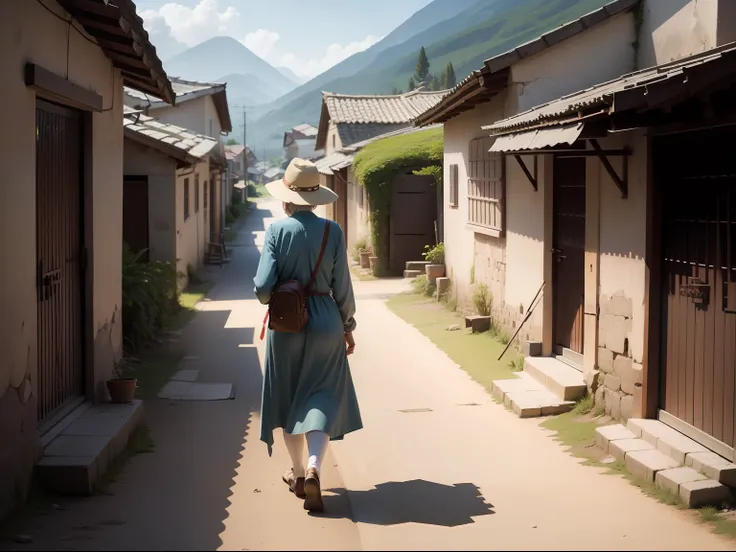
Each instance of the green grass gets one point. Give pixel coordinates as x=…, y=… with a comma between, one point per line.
x=475, y=353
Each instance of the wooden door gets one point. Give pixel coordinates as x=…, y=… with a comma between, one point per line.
x=699, y=282
x=59, y=256
x=413, y=213
x=569, y=252
x=135, y=214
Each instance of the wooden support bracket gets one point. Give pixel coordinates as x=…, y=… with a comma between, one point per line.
x=622, y=182
x=532, y=177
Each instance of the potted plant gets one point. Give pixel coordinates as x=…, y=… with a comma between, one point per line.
x=373, y=263
x=122, y=385
x=364, y=253
x=435, y=257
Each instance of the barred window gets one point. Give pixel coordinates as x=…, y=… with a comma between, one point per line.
x=486, y=186
x=186, y=198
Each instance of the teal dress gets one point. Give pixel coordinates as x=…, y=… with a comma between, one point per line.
x=307, y=384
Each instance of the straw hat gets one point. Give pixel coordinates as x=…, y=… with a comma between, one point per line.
x=300, y=185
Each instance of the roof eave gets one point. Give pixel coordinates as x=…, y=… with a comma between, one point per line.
x=162, y=147
x=120, y=33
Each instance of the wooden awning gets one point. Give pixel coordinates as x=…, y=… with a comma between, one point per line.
x=119, y=31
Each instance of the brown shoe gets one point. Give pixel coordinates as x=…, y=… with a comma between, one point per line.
x=296, y=484
x=313, y=501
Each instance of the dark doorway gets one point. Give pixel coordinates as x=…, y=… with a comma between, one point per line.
x=59, y=256
x=568, y=252
x=135, y=214
x=413, y=214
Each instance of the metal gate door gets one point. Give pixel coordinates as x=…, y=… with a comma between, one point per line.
x=699, y=284
x=569, y=251
x=59, y=256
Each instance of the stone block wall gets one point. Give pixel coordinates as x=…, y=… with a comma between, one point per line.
x=617, y=382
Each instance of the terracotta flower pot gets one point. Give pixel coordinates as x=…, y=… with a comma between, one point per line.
x=373, y=263
x=434, y=271
x=122, y=390
x=365, y=261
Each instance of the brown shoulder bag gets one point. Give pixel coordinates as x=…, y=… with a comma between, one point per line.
x=287, y=308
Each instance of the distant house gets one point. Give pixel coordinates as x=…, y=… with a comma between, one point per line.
x=240, y=159
x=350, y=120
x=300, y=142
x=346, y=120
x=167, y=206
x=200, y=107
x=64, y=64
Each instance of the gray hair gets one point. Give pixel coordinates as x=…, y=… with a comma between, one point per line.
x=292, y=208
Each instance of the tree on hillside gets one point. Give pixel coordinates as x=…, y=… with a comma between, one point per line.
x=450, y=80
x=434, y=83
x=412, y=86
x=422, y=65
x=395, y=91
x=231, y=142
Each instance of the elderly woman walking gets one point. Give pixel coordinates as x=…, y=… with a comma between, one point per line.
x=307, y=390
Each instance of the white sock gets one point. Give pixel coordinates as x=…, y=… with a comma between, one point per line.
x=295, y=446
x=317, y=442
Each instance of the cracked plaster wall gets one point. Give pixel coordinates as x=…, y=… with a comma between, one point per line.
x=35, y=35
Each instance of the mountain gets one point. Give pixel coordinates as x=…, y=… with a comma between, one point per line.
x=223, y=55
x=248, y=89
x=480, y=31
x=291, y=75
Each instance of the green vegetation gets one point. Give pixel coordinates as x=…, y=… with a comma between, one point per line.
x=448, y=77
x=150, y=293
x=482, y=300
x=436, y=254
x=422, y=69
x=475, y=353
x=377, y=164
x=231, y=142
x=360, y=246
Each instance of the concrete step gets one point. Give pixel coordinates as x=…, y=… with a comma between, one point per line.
x=528, y=398
x=412, y=273
x=559, y=378
x=416, y=265
x=684, y=450
x=646, y=462
x=75, y=460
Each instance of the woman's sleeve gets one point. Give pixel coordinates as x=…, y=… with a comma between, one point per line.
x=342, y=285
x=266, y=276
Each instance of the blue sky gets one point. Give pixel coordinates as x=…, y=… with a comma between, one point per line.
x=306, y=36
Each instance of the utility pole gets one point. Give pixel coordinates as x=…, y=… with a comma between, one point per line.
x=244, y=191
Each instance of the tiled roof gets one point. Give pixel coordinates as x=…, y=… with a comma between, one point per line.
x=187, y=90
x=500, y=63
x=393, y=109
x=306, y=130
x=640, y=90
x=178, y=142
x=359, y=132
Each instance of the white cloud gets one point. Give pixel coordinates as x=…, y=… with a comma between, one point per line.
x=335, y=54
x=261, y=42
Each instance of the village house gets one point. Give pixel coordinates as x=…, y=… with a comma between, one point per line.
x=348, y=123
x=165, y=184
x=240, y=161
x=300, y=142
x=201, y=107
x=61, y=206
x=615, y=199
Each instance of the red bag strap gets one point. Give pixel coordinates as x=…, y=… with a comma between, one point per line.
x=325, y=237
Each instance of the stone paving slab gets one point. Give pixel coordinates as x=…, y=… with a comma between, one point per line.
x=704, y=493
x=621, y=448
x=605, y=434
x=713, y=466
x=644, y=464
x=558, y=377
x=671, y=479
x=186, y=375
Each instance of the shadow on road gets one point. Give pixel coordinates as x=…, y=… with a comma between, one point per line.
x=416, y=501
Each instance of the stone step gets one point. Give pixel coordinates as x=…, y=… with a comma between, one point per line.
x=416, y=265
x=75, y=460
x=412, y=273
x=647, y=463
x=559, y=378
x=684, y=450
x=528, y=398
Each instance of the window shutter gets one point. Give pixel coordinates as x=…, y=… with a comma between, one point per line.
x=453, y=186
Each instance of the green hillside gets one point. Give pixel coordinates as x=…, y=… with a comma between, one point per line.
x=502, y=25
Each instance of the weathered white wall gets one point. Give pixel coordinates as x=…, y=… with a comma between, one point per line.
x=459, y=237
x=358, y=221
x=212, y=119
x=674, y=29
x=161, y=172
x=593, y=56
x=333, y=142
x=191, y=114
x=191, y=236
x=32, y=34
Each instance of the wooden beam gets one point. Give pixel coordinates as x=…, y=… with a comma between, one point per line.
x=50, y=84
x=532, y=178
x=621, y=182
